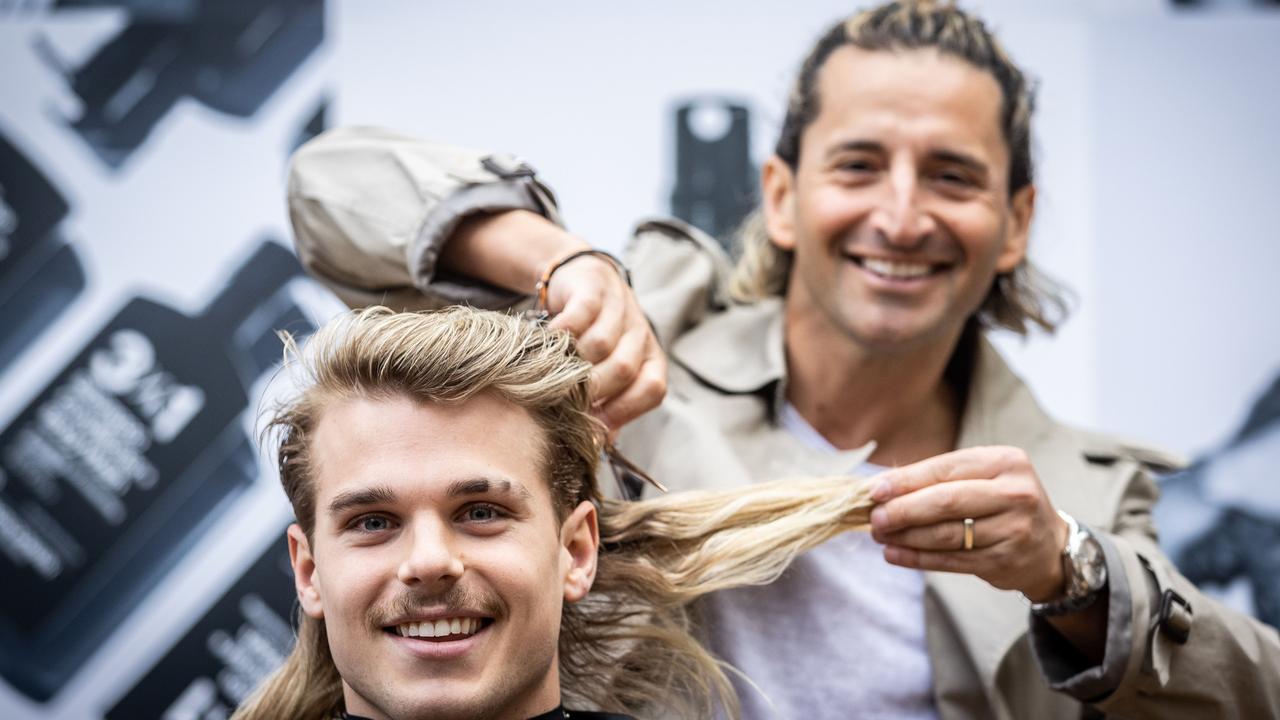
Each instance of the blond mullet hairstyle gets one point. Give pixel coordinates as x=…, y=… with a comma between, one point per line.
x=1018, y=300
x=630, y=645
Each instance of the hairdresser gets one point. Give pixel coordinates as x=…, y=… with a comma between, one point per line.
x=1013, y=570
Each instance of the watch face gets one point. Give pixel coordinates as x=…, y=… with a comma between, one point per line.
x=1092, y=565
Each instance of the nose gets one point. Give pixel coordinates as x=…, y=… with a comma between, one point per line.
x=899, y=218
x=432, y=554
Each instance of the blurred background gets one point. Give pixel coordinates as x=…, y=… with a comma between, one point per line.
x=145, y=263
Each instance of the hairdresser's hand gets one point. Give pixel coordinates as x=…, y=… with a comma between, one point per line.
x=589, y=298
x=1018, y=536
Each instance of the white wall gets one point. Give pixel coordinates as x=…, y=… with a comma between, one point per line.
x=1188, y=249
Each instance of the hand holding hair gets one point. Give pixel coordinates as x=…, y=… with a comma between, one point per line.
x=1015, y=539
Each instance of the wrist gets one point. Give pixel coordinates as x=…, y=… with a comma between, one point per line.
x=1084, y=573
x=509, y=249
x=1053, y=586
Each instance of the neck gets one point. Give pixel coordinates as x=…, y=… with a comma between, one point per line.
x=852, y=393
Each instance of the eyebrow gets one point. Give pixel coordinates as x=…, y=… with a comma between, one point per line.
x=959, y=158
x=376, y=495
x=483, y=485
x=855, y=146
x=947, y=156
x=383, y=495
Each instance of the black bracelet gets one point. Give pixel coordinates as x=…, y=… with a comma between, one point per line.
x=544, y=282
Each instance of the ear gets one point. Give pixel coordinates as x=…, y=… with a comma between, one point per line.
x=777, y=183
x=1023, y=208
x=304, y=573
x=580, y=537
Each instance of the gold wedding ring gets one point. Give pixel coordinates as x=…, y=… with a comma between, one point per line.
x=968, y=533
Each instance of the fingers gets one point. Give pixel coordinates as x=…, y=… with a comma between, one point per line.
x=947, y=535
x=598, y=341
x=1017, y=535
x=643, y=394
x=1003, y=562
x=1011, y=550
x=955, y=561
x=579, y=312
x=952, y=501
x=965, y=464
x=616, y=372
x=592, y=302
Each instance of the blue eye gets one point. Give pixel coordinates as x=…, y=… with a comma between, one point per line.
x=372, y=524
x=482, y=513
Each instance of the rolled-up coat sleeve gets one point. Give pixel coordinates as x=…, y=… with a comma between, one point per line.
x=1226, y=666
x=372, y=209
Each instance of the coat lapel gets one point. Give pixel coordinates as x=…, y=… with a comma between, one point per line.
x=1001, y=410
x=739, y=355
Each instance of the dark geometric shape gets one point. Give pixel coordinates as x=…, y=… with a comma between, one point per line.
x=1265, y=411
x=315, y=124
x=1175, y=616
x=231, y=55
x=715, y=184
x=124, y=460
x=227, y=653
x=40, y=273
x=1240, y=545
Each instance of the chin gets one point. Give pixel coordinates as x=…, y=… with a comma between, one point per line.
x=901, y=336
x=432, y=706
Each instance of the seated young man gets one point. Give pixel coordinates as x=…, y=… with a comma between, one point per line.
x=441, y=468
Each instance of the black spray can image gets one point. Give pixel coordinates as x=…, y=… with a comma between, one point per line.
x=124, y=460
x=715, y=181
x=230, y=55
x=39, y=272
x=223, y=658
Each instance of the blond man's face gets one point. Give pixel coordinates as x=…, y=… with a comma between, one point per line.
x=437, y=562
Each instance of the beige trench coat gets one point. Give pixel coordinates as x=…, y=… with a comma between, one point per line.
x=371, y=211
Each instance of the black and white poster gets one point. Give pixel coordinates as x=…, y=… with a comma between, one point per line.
x=146, y=264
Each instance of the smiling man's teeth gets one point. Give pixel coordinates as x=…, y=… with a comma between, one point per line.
x=892, y=269
x=439, y=628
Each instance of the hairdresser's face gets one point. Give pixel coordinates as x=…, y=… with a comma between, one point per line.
x=898, y=211
x=437, y=562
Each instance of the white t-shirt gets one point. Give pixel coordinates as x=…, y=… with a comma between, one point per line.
x=840, y=635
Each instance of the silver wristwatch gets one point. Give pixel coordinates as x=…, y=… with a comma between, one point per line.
x=1084, y=570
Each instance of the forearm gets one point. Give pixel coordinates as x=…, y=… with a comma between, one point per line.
x=372, y=212
x=1086, y=630
x=509, y=249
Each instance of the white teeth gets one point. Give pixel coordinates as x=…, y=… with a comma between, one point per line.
x=892, y=269
x=439, y=628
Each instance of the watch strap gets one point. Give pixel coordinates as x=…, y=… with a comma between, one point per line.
x=1065, y=606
